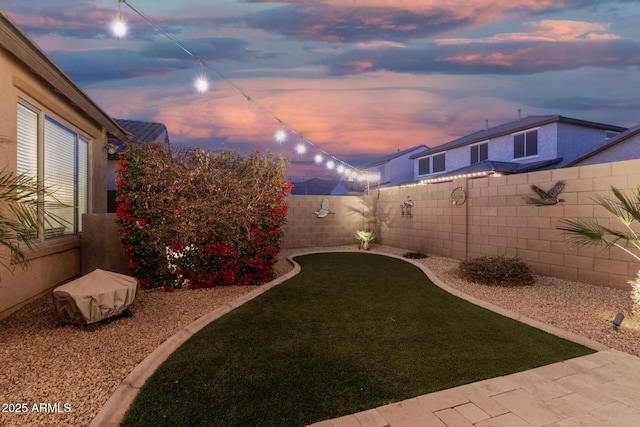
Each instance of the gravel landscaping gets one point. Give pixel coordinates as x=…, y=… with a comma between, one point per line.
x=75, y=372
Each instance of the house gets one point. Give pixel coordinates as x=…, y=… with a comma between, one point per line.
x=624, y=146
x=394, y=169
x=524, y=145
x=139, y=131
x=55, y=132
x=319, y=187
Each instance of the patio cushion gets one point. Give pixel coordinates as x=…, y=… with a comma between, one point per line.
x=94, y=297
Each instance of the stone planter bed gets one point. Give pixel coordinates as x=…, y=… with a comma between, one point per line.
x=44, y=361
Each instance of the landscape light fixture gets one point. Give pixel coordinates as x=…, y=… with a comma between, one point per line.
x=617, y=321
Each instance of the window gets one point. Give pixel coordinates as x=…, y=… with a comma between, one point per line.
x=432, y=164
x=438, y=163
x=424, y=166
x=64, y=169
x=525, y=144
x=479, y=152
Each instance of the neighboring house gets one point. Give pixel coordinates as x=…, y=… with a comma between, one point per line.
x=138, y=131
x=319, y=187
x=394, y=169
x=524, y=145
x=624, y=146
x=56, y=133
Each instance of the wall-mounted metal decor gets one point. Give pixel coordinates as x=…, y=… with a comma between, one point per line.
x=324, y=209
x=546, y=197
x=405, y=208
x=458, y=196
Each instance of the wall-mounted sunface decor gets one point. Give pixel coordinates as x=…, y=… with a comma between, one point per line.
x=546, y=197
x=324, y=209
x=405, y=208
x=458, y=196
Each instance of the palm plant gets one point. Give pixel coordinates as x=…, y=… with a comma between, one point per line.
x=19, y=217
x=365, y=237
x=626, y=209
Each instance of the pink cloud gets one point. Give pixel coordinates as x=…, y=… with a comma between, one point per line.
x=337, y=116
x=545, y=31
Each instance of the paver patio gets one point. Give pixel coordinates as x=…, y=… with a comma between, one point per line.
x=599, y=390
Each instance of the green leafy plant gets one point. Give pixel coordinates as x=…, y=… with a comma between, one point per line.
x=497, y=271
x=21, y=216
x=624, y=208
x=194, y=218
x=414, y=255
x=365, y=237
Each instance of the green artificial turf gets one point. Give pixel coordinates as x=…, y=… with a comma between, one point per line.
x=351, y=332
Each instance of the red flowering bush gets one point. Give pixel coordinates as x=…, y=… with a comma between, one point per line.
x=194, y=218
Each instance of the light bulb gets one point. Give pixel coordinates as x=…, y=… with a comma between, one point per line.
x=318, y=158
x=202, y=85
x=301, y=148
x=330, y=164
x=119, y=28
x=280, y=136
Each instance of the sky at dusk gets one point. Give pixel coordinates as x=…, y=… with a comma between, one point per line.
x=358, y=79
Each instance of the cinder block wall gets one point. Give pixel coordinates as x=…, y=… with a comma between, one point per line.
x=435, y=226
x=305, y=229
x=496, y=220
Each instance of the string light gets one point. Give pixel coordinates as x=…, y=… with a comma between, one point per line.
x=119, y=28
x=280, y=136
x=202, y=85
x=301, y=148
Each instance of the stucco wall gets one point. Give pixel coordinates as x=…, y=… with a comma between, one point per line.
x=56, y=260
x=53, y=263
x=627, y=149
x=101, y=246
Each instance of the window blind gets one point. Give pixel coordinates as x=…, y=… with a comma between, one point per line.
x=60, y=174
x=27, y=144
x=83, y=178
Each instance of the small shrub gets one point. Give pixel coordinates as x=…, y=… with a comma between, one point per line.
x=414, y=255
x=497, y=271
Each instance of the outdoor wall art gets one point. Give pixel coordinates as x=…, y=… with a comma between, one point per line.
x=546, y=197
x=324, y=209
x=405, y=208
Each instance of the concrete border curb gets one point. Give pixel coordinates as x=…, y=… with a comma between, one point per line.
x=114, y=410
